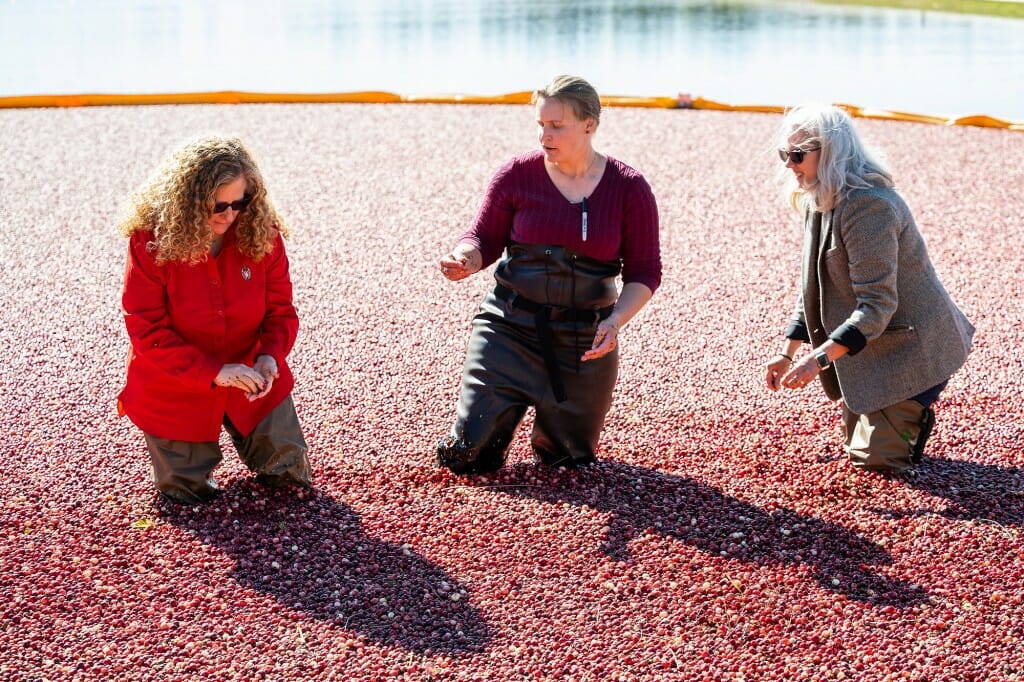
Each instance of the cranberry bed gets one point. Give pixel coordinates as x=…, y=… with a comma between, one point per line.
x=721, y=537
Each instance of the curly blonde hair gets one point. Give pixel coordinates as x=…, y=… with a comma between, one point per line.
x=177, y=202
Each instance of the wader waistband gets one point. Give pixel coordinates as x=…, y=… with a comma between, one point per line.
x=555, y=313
x=542, y=314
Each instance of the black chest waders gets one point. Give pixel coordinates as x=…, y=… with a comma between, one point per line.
x=525, y=349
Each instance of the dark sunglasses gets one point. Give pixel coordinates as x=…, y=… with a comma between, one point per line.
x=236, y=206
x=795, y=155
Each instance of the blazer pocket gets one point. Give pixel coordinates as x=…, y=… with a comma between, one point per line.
x=898, y=343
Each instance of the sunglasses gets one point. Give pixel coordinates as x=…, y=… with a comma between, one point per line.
x=795, y=155
x=236, y=206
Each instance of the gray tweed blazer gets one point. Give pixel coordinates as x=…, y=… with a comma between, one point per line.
x=869, y=272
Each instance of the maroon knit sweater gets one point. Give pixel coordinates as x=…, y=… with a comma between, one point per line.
x=522, y=205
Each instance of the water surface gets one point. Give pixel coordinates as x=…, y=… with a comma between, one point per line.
x=738, y=52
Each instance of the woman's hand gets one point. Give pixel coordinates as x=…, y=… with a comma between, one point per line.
x=605, y=340
x=462, y=262
x=242, y=377
x=632, y=298
x=801, y=374
x=266, y=365
x=775, y=369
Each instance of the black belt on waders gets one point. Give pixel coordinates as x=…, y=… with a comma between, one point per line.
x=542, y=315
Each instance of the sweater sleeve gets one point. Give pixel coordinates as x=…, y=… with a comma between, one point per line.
x=146, y=316
x=492, y=227
x=641, y=249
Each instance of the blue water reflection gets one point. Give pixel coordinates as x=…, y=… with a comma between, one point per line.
x=740, y=52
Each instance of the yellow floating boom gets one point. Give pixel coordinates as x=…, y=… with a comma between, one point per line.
x=380, y=97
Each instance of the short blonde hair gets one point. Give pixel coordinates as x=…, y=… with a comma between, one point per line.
x=574, y=91
x=177, y=201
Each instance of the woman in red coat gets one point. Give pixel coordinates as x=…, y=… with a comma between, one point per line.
x=208, y=306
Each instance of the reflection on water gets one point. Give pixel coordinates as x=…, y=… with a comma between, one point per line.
x=741, y=52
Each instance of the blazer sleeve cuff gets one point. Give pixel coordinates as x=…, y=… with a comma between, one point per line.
x=849, y=336
x=797, y=331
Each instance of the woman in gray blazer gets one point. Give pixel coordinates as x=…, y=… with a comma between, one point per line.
x=885, y=336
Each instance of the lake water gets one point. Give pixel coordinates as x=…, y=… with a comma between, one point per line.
x=737, y=52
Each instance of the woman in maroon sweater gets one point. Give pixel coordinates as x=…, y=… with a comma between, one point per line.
x=570, y=220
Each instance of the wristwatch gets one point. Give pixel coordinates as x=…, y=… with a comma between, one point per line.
x=822, y=359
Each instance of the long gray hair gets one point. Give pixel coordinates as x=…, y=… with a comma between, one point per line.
x=845, y=163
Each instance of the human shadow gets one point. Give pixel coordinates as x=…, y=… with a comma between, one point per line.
x=640, y=500
x=974, y=492
x=309, y=553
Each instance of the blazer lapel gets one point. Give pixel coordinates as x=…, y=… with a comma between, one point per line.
x=812, y=286
x=821, y=241
x=825, y=236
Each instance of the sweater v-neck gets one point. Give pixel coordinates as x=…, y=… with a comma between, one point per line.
x=554, y=187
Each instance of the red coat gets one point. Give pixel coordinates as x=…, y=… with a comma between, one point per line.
x=186, y=321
